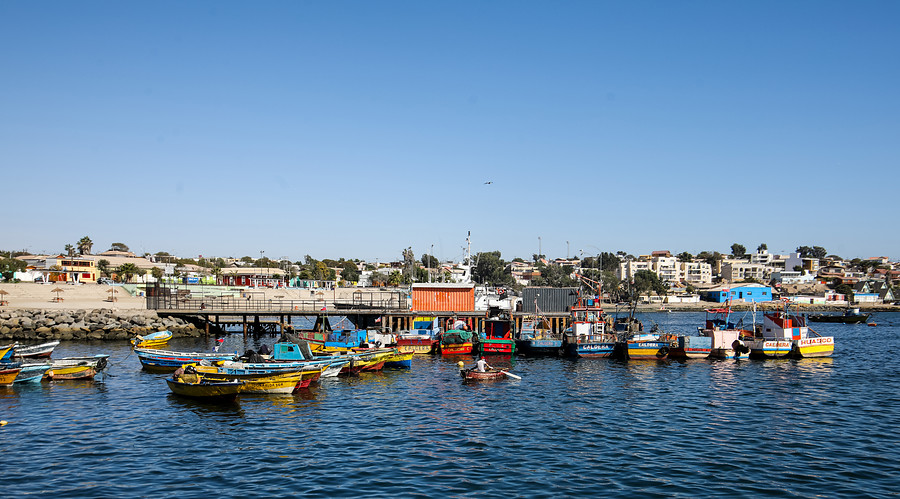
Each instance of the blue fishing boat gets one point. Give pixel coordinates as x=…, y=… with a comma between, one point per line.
x=168, y=361
x=587, y=337
x=537, y=338
x=32, y=373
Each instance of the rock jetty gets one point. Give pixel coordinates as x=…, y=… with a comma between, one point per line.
x=98, y=324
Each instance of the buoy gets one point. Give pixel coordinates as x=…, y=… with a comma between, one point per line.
x=4, y=423
x=461, y=364
x=872, y=324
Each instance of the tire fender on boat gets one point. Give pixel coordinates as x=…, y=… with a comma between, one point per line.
x=663, y=352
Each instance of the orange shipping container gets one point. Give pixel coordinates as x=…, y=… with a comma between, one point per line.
x=443, y=297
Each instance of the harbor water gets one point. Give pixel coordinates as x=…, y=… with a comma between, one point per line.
x=786, y=428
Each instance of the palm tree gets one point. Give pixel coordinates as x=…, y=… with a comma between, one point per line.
x=84, y=245
x=70, y=250
x=126, y=271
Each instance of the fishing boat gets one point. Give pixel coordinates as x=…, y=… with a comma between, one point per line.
x=784, y=334
x=472, y=375
x=399, y=360
x=261, y=380
x=727, y=340
x=7, y=376
x=422, y=338
x=690, y=347
x=168, y=361
x=455, y=342
x=32, y=373
x=6, y=353
x=643, y=346
x=152, y=340
x=77, y=367
x=588, y=337
x=850, y=316
x=36, y=351
x=206, y=390
x=496, y=339
x=537, y=338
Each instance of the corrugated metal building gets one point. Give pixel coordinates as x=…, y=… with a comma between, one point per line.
x=443, y=297
x=549, y=300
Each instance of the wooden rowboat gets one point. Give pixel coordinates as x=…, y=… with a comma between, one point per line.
x=7, y=376
x=263, y=381
x=152, y=340
x=206, y=390
x=77, y=367
x=36, y=351
x=472, y=375
x=32, y=373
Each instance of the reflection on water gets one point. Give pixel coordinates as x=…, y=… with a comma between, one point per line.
x=586, y=427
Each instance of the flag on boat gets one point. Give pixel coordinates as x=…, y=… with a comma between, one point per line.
x=378, y=319
x=322, y=309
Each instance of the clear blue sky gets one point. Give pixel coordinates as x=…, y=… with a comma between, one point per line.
x=357, y=128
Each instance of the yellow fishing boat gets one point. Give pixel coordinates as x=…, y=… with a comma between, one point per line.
x=7, y=376
x=263, y=381
x=77, y=367
x=152, y=340
x=208, y=390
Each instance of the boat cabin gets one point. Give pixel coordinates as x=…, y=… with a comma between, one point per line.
x=783, y=326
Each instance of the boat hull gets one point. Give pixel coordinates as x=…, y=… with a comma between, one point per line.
x=770, y=349
x=646, y=350
x=492, y=346
x=813, y=347
x=43, y=350
x=401, y=360
x=691, y=347
x=456, y=349
x=478, y=376
x=539, y=347
x=590, y=350
x=840, y=319
x=227, y=390
x=76, y=368
x=168, y=361
x=416, y=345
x=32, y=373
x=7, y=376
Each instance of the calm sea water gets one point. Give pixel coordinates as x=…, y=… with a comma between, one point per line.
x=817, y=427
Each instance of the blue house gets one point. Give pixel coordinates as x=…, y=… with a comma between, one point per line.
x=739, y=292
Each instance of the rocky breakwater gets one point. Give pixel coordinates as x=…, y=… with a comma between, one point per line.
x=99, y=324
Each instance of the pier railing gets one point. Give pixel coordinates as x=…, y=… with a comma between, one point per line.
x=179, y=298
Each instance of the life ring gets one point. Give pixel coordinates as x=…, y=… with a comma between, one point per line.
x=662, y=352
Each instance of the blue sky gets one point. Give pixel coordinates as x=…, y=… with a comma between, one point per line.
x=355, y=129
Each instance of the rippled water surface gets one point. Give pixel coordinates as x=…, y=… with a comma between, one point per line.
x=815, y=427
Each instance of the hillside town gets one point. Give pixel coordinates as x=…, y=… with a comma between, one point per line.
x=806, y=276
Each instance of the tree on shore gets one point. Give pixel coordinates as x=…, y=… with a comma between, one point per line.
x=685, y=257
x=126, y=271
x=118, y=247
x=490, y=269
x=762, y=247
x=812, y=252
x=70, y=250
x=157, y=273
x=350, y=272
x=84, y=245
x=738, y=250
x=9, y=267
x=103, y=267
x=646, y=281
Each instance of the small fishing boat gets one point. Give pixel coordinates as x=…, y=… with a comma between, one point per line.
x=36, y=351
x=261, y=380
x=168, y=361
x=422, y=338
x=152, y=340
x=32, y=373
x=7, y=376
x=456, y=342
x=537, y=338
x=497, y=338
x=643, y=346
x=6, y=353
x=471, y=375
x=851, y=316
x=77, y=367
x=727, y=340
x=206, y=390
x=691, y=347
x=399, y=360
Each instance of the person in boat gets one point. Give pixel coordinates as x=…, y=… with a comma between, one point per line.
x=481, y=365
x=178, y=373
x=459, y=324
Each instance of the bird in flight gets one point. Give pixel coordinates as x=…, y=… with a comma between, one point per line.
x=489, y=182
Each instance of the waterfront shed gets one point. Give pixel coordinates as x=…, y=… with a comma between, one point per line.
x=549, y=300
x=443, y=297
x=744, y=292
